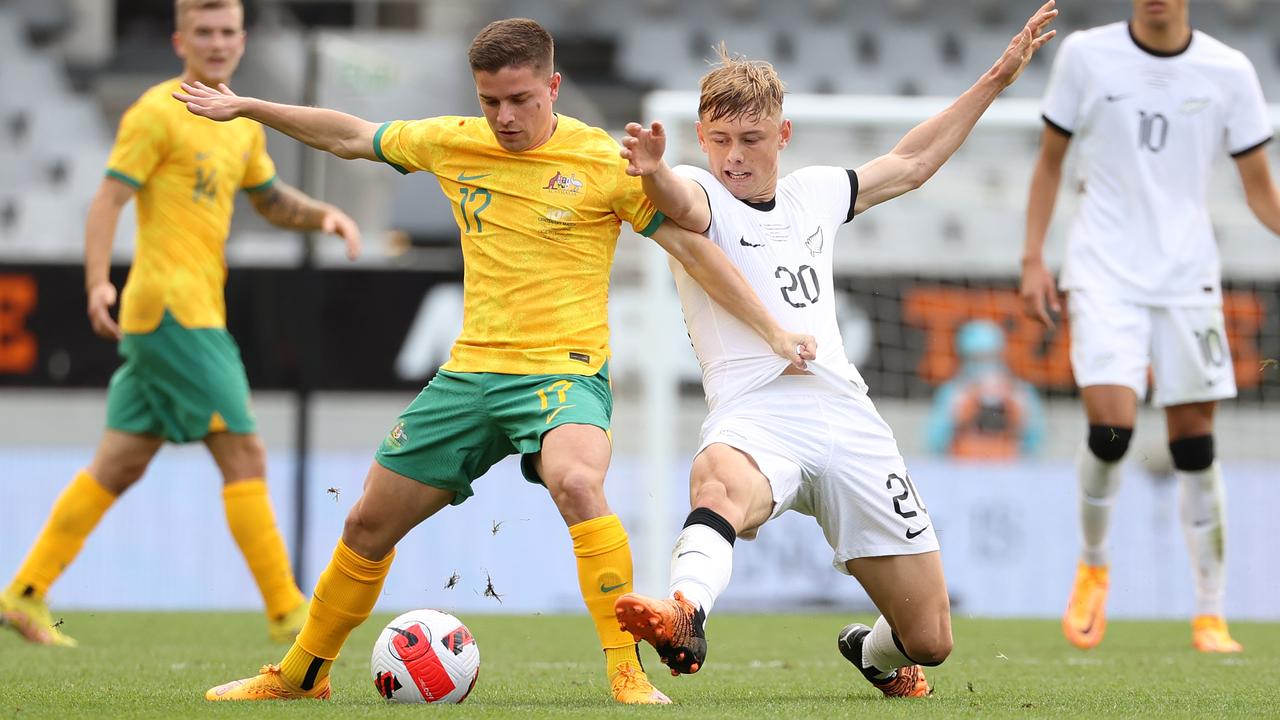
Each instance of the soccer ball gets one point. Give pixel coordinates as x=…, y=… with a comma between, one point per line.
x=425, y=656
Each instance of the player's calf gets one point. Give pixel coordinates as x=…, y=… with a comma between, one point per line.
x=926, y=641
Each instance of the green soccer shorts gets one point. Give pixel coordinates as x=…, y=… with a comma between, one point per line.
x=179, y=384
x=463, y=423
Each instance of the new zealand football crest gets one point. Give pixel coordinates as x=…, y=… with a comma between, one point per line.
x=814, y=242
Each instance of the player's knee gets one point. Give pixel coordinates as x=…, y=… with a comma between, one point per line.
x=118, y=474
x=576, y=487
x=365, y=535
x=249, y=459
x=713, y=495
x=1192, y=454
x=928, y=647
x=1109, y=443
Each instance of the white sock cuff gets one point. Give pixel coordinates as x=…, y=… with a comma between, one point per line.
x=880, y=650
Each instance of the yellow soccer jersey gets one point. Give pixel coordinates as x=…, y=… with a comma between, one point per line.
x=186, y=170
x=538, y=228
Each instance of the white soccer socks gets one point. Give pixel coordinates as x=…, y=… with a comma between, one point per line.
x=702, y=559
x=880, y=650
x=1203, y=518
x=1099, y=472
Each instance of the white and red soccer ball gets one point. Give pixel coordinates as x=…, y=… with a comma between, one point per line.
x=425, y=656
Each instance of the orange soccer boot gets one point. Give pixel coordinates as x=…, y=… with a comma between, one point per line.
x=630, y=686
x=1209, y=634
x=673, y=627
x=268, y=684
x=1085, y=621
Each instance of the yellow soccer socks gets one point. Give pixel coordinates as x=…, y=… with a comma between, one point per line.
x=253, y=525
x=75, y=514
x=344, y=597
x=604, y=573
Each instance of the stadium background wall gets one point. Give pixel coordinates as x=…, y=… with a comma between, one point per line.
x=899, y=330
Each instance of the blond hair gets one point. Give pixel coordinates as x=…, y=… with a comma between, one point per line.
x=738, y=87
x=182, y=7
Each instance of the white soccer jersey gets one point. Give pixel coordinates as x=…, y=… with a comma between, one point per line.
x=784, y=249
x=1148, y=127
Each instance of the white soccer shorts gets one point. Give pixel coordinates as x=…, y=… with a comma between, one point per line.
x=1114, y=342
x=829, y=455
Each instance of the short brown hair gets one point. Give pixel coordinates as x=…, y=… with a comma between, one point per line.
x=738, y=87
x=518, y=42
x=182, y=7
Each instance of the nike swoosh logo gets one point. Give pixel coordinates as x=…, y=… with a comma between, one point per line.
x=913, y=534
x=409, y=637
x=463, y=177
x=556, y=412
x=610, y=588
x=1116, y=98
x=744, y=242
x=692, y=552
x=1089, y=628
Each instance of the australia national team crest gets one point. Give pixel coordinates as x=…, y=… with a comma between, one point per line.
x=814, y=242
x=565, y=184
x=397, y=437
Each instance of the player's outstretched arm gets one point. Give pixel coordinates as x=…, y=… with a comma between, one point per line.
x=99, y=235
x=1037, y=288
x=931, y=143
x=724, y=282
x=1259, y=191
x=346, y=136
x=288, y=207
x=679, y=198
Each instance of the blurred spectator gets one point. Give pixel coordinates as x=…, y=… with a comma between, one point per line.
x=984, y=412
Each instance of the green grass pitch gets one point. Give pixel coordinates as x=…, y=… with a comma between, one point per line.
x=136, y=665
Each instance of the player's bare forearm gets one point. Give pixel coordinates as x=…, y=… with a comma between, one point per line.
x=1040, y=300
x=923, y=150
x=719, y=277
x=332, y=131
x=100, y=230
x=1043, y=194
x=346, y=136
x=1266, y=207
x=285, y=206
x=1260, y=191
x=682, y=200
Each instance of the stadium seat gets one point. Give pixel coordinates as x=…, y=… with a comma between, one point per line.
x=44, y=223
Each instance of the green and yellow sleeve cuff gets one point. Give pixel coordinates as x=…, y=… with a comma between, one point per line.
x=377, y=149
x=261, y=186
x=653, y=225
x=135, y=184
